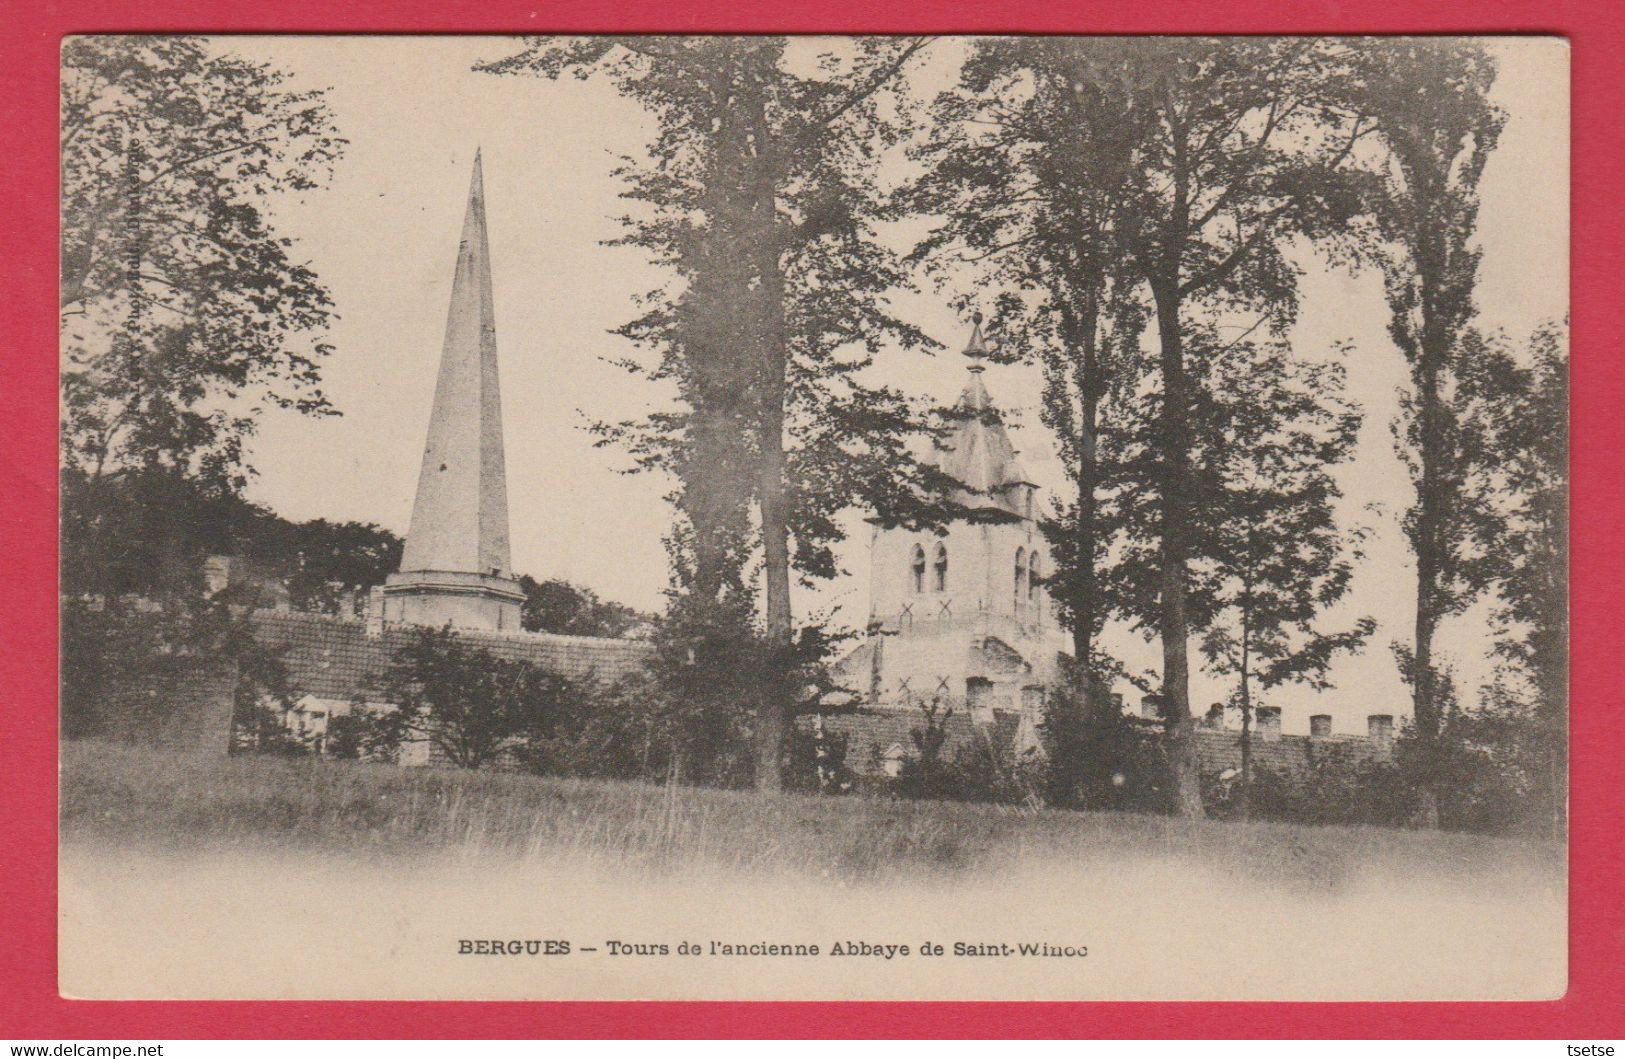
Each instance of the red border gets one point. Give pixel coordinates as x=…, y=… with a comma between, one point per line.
x=29, y=1005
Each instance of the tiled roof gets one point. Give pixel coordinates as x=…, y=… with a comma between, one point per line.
x=335, y=658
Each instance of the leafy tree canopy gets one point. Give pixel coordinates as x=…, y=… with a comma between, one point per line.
x=468, y=703
x=178, y=296
x=558, y=606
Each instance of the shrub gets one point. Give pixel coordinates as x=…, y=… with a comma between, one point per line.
x=1270, y=796
x=981, y=770
x=816, y=762
x=1107, y=761
x=469, y=704
x=613, y=731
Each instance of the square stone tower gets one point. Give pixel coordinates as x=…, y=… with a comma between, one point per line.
x=961, y=616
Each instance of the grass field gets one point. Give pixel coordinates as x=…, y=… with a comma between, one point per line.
x=258, y=853
x=150, y=794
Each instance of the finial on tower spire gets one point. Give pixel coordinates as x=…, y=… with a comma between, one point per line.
x=976, y=348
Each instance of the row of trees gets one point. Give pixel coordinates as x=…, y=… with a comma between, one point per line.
x=1141, y=210
x=146, y=532
x=1133, y=202
x=472, y=709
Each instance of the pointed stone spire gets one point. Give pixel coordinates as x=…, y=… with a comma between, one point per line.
x=456, y=566
x=978, y=453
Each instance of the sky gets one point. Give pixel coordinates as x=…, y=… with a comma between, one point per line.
x=383, y=237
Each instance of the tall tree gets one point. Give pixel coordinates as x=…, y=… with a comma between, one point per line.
x=1430, y=99
x=183, y=311
x=1526, y=400
x=1242, y=147
x=178, y=296
x=1278, y=427
x=757, y=194
x=1029, y=165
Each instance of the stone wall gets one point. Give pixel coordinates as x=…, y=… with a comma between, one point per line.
x=339, y=658
x=190, y=710
x=334, y=660
x=873, y=732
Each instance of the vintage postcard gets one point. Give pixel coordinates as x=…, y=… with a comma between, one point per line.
x=801, y=518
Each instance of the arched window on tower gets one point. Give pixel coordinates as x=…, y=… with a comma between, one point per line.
x=917, y=569
x=1021, y=574
x=1032, y=576
x=940, y=569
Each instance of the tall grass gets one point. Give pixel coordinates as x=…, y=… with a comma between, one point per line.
x=150, y=796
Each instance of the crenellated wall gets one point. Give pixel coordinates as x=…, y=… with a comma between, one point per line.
x=874, y=731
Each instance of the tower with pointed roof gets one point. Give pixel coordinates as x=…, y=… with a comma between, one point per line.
x=456, y=567
x=961, y=615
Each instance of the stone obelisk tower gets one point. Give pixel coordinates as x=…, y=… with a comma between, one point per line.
x=456, y=567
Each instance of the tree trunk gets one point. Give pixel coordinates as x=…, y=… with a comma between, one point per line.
x=1429, y=560
x=1174, y=627
x=676, y=770
x=1424, y=706
x=1244, y=803
x=774, y=705
x=708, y=506
x=1084, y=604
x=1552, y=665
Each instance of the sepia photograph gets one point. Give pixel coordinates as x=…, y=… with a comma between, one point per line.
x=814, y=518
